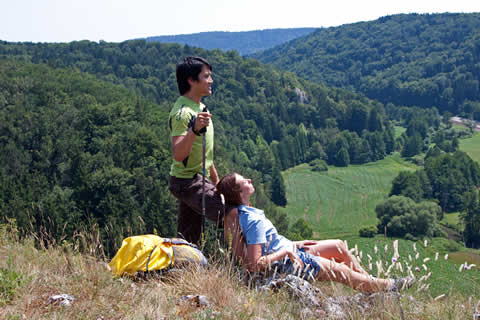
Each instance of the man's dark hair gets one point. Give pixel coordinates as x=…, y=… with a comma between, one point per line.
x=189, y=67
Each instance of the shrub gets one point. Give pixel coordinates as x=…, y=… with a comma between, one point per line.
x=402, y=216
x=368, y=231
x=302, y=229
x=10, y=280
x=318, y=165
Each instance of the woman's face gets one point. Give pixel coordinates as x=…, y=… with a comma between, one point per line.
x=245, y=185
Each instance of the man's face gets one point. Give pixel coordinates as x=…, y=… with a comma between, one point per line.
x=202, y=86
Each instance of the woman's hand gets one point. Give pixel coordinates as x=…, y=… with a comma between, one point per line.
x=297, y=262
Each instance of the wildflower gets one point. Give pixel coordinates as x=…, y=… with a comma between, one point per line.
x=399, y=267
x=436, y=256
x=356, y=250
x=333, y=274
x=472, y=265
x=417, y=269
x=425, y=260
x=369, y=257
x=417, y=256
x=425, y=243
x=446, y=256
x=339, y=250
x=379, y=267
x=394, y=260
x=461, y=268
x=310, y=275
x=375, y=249
x=361, y=255
x=389, y=269
x=321, y=268
x=410, y=258
x=414, y=247
x=395, y=248
x=369, y=266
x=439, y=297
x=424, y=267
x=386, y=247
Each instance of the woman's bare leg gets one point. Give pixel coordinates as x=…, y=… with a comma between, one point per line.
x=333, y=271
x=335, y=249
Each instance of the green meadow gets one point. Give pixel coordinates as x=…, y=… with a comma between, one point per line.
x=472, y=146
x=340, y=201
x=337, y=203
x=441, y=258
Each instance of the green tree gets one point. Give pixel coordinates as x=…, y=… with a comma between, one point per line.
x=413, y=146
x=278, y=188
x=471, y=219
x=342, y=158
x=403, y=217
x=300, y=230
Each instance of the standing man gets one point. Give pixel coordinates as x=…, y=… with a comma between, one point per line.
x=189, y=120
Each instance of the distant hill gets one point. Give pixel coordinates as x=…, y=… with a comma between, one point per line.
x=245, y=42
x=408, y=59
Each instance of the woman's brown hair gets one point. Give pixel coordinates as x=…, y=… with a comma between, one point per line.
x=230, y=189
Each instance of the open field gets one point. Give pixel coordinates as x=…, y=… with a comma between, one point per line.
x=340, y=201
x=472, y=146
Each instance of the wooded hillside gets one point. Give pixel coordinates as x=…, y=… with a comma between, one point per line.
x=84, y=131
x=425, y=60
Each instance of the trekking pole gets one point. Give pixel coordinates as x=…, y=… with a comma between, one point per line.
x=203, y=178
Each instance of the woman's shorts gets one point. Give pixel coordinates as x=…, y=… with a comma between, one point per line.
x=311, y=266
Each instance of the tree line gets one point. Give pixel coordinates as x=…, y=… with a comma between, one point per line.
x=449, y=182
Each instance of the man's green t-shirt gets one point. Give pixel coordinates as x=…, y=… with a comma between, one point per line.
x=179, y=117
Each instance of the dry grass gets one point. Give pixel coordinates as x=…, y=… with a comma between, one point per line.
x=99, y=295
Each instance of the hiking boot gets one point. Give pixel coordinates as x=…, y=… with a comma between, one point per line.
x=402, y=283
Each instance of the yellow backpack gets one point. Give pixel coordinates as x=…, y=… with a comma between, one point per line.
x=150, y=252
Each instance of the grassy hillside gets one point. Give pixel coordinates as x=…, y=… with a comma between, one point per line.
x=338, y=202
x=29, y=276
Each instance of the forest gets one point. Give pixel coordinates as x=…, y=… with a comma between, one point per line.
x=84, y=136
x=424, y=60
x=84, y=140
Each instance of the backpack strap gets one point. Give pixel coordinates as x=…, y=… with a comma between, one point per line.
x=178, y=241
x=149, y=256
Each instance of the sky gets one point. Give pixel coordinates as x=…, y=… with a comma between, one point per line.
x=120, y=20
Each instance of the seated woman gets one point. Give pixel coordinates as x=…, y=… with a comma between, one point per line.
x=320, y=260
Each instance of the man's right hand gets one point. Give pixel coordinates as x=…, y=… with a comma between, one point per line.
x=202, y=121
